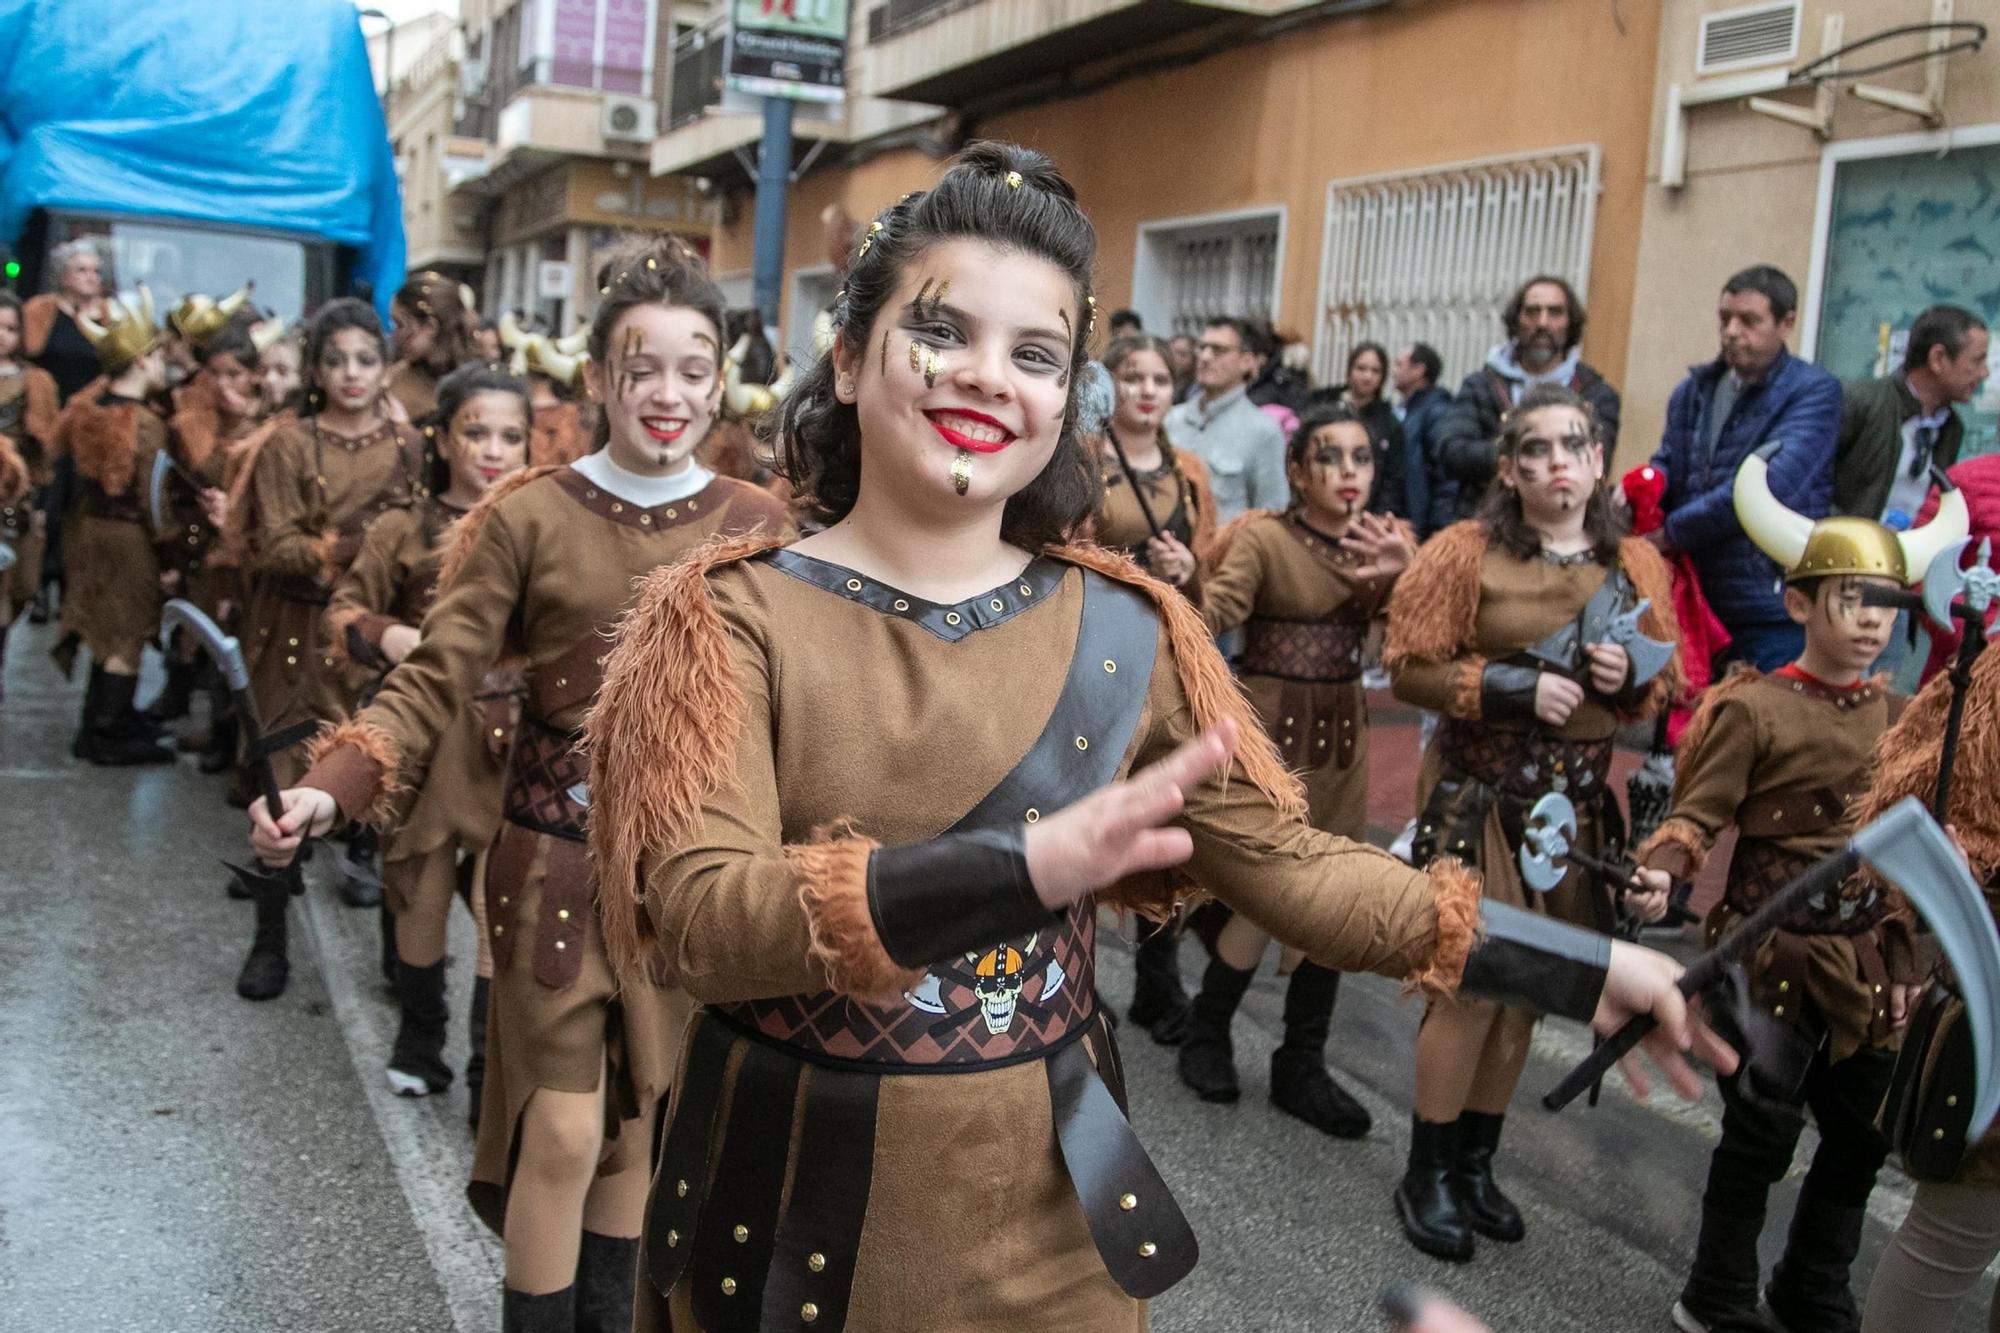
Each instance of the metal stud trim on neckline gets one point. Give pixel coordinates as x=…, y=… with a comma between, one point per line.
x=950, y=623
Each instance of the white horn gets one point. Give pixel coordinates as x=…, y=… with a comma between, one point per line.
x=511, y=336
x=575, y=344
x=1779, y=531
x=1921, y=545
x=233, y=302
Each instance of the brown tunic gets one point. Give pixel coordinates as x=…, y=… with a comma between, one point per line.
x=857, y=717
x=559, y=435
x=202, y=441
x=1784, y=760
x=313, y=493
x=28, y=413
x=393, y=581
x=1177, y=492
x=548, y=567
x=414, y=387
x=112, y=598
x=1463, y=604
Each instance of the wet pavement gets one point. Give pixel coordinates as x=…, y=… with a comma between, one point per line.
x=173, y=1158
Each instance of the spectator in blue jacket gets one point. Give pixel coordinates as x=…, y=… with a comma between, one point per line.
x=1754, y=393
x=1421, y=405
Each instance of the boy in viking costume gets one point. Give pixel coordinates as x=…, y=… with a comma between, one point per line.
x=113, y=604
x=1782, y=757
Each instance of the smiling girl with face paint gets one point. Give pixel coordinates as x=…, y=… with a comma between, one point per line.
x=1306, y=586
x=860, y=796
x=542, y=569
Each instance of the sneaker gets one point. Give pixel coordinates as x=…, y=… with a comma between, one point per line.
x=1401, y=847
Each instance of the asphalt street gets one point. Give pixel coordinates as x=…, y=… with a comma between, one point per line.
x=173, y=1158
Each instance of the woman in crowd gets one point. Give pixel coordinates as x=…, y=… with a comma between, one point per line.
x=431, y=341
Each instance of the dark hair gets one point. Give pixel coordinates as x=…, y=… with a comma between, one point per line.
x=1425, y=355
x=1126, y=316
x=1772, y=283
x=650, y=270
x=1132, y=343
x=1381, y=355
x=345, y=312
x=1319, y=418
x=1000, y=193
x=435, y=297
x=1946, y=326
x=1500, y=509
x=1578, y=317
x=1246, y=332
x=454, y=391
x=230, y=340
x=760, y=360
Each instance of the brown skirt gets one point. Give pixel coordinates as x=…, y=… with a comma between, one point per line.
x=112, y=596
x=566, y=1038
x=19, y=585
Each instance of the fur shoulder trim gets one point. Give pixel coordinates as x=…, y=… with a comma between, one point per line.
x=465, y=531
x=1218, y=545
x=1653, y=580
x=197, y=420
x=1712, y=699
x=44, y=407
x=662, y=735
x=1906, y=762
x=1432, y=610
x=38, y=321
x=13, y=473
x=238, y=522
x=1211, y=691
x=103, y=438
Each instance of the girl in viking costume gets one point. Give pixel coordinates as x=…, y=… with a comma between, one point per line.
x=372, y=620
x=112, y=602
x=840, y=798
x=1135, y=460
x=542, y=569
x=1783, y=758
x=28, y=406
x=432, y=340
x=1305, y=586
x=315, y=485
x=1497, y=626
x=1952, y=1233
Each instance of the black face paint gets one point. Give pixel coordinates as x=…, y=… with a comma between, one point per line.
x=885, y=354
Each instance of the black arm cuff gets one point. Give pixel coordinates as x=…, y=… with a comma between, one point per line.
x=931, y=900
x=1507, y=692
x=1525, y=958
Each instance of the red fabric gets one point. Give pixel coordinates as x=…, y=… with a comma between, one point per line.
x=1979, y=478
x=1643, y=487
x=1793, y=671
x=1702, y=635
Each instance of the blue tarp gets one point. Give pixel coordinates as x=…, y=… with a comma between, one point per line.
x=254, y=112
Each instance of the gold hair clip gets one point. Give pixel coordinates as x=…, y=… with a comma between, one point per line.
x=651, y=262
x=874, y=227
x=1013, y=180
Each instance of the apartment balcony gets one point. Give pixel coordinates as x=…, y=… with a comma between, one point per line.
x=954, y=52
x=555, y=112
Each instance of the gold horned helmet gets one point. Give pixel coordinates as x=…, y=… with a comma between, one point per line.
x=266, y=334
x=751, y=400
x=1844, y=544
x=561, y=359
x=128, y=333
x=198, y=317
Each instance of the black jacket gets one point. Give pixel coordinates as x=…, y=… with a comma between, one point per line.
x=1472, y=423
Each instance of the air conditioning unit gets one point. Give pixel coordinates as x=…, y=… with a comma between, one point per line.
x=629, y=120
x=1746, y=38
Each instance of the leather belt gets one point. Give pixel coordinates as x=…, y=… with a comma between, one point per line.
x=1309, y=650
x=547, y=782
x=1524, y=764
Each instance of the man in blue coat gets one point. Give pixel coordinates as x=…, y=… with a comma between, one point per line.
x=1753, y=394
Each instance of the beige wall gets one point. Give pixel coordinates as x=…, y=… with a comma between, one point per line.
x=1421, y=83
x=1752, y=184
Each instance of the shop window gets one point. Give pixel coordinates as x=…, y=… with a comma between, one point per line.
x=1432, y=255
x=1191, y=270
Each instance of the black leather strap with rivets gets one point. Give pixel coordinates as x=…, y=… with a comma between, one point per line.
x=1035, y=585
x=733, y=1244
x=819, y=1237
x=681, y=1182
x=1527, y=958
x=936, y=899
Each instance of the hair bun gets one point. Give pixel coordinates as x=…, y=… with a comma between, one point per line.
x=995, y=157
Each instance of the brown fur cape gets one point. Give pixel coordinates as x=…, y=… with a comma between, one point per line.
x=103, y=438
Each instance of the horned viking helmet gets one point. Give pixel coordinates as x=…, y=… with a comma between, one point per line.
x=1844, y=544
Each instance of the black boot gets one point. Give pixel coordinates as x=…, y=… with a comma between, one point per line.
x=361, y=869
x=475, y=1061
x=1207, y=1060
x=553, y=1313
x=82, y=744
x=1432, y=1217
x=1159, y=1002
x=1300, y=1083
x=606, y=1268
x=220, y=752
x=1720, y=1295
x=267, y=968
x=114, y=737
x=385, y=921
x=416, y=1064
x=1491, y=1213
x=1809, y=1290
x=171, y=703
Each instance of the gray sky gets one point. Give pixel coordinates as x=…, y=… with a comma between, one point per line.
x=402, y=11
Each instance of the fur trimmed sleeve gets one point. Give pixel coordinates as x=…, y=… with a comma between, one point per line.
x=1906, y=763
x=1713, y=769
x=1432, y=615
x=356, y=763
x=1654, y=581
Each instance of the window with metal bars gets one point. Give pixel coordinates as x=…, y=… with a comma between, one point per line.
x=1433, y=255
x=1192, y=270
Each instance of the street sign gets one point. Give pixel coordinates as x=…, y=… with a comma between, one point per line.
x=795, y=49
x=553, y=280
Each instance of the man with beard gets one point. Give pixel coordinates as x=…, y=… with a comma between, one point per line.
x=1544, y=323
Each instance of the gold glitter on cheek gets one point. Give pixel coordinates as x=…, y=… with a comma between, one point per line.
x=961, y=472
x=933, y=367
x=916, y=356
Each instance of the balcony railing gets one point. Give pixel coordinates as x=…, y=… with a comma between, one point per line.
x=899, y=16
x=697, y=81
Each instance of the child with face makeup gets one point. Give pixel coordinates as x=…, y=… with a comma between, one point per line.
x=28, y=407
x=481, y=431
x=1784, y=758
x=432, y=339
x=542, y=569
x=840, y=797
x=1477, y=632
x=1305, y=586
